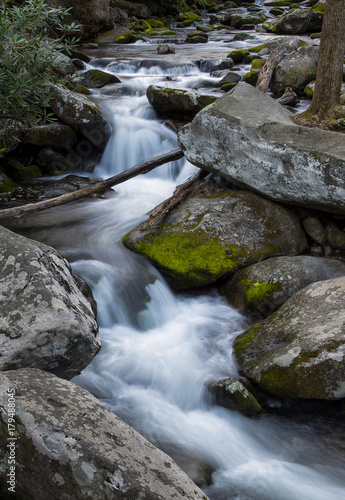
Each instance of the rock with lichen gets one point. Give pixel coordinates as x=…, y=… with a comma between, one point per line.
x=299, y=351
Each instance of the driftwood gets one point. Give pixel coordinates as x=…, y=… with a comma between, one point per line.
x=267, y=69
x=180, y=193
x=100, y=187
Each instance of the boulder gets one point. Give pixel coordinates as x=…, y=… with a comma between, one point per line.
x=299, y=351
x=96, y=78
x=294, y=22
x=55, y=135
x=52, y=162
x=94, y=15
x=238, y=20
x=265, y=286
x=82, y=114
x=45, y=321
x=296, y=70
x=211, y=64
x=231, y=393
x=7, y=186
x=138, y=10
x=210, y=236
x=112, y=35
x=70, y=446
x=249, y=139
x=177, y=103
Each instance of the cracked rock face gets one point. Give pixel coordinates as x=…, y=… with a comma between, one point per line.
x=45, y=320
x=71, y=447
x=299, y=351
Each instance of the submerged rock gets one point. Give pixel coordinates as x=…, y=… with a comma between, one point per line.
x=210, y=236
x=249, y=139
x=299, y=351
x=45, y=321
x=265, y=286
x=73, y=447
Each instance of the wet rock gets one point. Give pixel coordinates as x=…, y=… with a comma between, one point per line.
x=299, y=352
x=7, y=186
x=239, y=20
x=51, y=161
x=82, y=114
x=45, y=321
x=164, y=48
x=72, y=446
x=55, y=135
x=20, y=172
x=111, y=35
x=250, y=140
x=210, y=236
x=263, y=287
x=232, y=394
x=315, y=230
x=335, y=237
x=294, y=22
x=212, y=64
x=95, y=78
x=295, y=70
x=177, y=103
x=196, y=37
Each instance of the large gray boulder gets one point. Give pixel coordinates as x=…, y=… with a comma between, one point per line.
x=94, y=15
x=299, y=351
x=71, y=447
x=81, y=114
x=265, y=286
x=296, y=70
x=45, y=320
x=249, y=139
x=51, y=134
x=294, y=22
x=209, y=236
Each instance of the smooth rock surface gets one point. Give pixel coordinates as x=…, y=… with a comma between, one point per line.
x=265, y=286
x=45, y=321
x=249, y=139
x=71, y=447
x=299, y=351
x=208, y=237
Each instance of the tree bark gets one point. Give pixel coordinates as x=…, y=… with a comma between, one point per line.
x=142, y=168
x=267, y=70
x=329, y=75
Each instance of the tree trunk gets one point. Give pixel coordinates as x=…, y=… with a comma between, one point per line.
x=329, y=73
x=267, y=70
x=100, y=187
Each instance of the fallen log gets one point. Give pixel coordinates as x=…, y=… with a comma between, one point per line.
x=267, y=69
x=180, y=193
x=100, y=187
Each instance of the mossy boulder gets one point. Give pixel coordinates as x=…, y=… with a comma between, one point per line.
x=159, y=32
x=238, y=21
x=111, y=35
x=296, y=70
x=294, y=22
x=177, y=103
x=257, y=64
x=52, y=135
x=94, y=15
x=210, y=236
x=299, y=351
x=128, y=37
x=7, y=186
x=20, y=172
x=252, y=77
x=96, y=78
x=263, y=287
x=138, y=10
x=319, y=7
x=189, y=16
x=51, y=162
x=238, y=55
x=231, y=393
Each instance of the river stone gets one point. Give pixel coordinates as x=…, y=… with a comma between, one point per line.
x=52, y=134
x=71, y=447
x=94, y=15
x=265, y=286
x=95, y=78
x=45, y=321
x=315, y=230
x=294, y=22
x=296, y=70
x=177, y=103
x=232, y=394
x=210, y=236
x=82, y=114
x=7, y=186
x=249, y=139
x=299, y=351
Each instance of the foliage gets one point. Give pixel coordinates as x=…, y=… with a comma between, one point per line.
x=29, y=58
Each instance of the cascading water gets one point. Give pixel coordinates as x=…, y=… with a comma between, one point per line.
x=160, y=349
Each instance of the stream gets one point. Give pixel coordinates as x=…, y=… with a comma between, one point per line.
x=159, y=348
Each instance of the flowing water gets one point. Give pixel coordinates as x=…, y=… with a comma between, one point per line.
x=159, y=349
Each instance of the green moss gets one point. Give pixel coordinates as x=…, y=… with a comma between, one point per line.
x=319, y=8
x=257, y=63
x=252, y=77
x=279, y=3
x=154, y=23
x=243, y=341
x=256, y=293
x=238, y=55
x=7, y=185
x=82, y=90
x=189, y=15
x=227, y=86
x=257, y=48
x=159, y=32
x=126, y=38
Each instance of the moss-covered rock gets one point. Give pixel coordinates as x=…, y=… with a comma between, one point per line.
x=238, y=55
x=95, y=78
x=210, y=236
x=177, y=103
x=252, y=77
x=257, y=63
x=294, y=22
x=299, y=351
x=20, y=172
x=189, y=16
x=232, y=394
x=52, y=135
x=111, y=35
x=263, y=287
x=159, y=32
x=7, y=186
x=319, y=7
